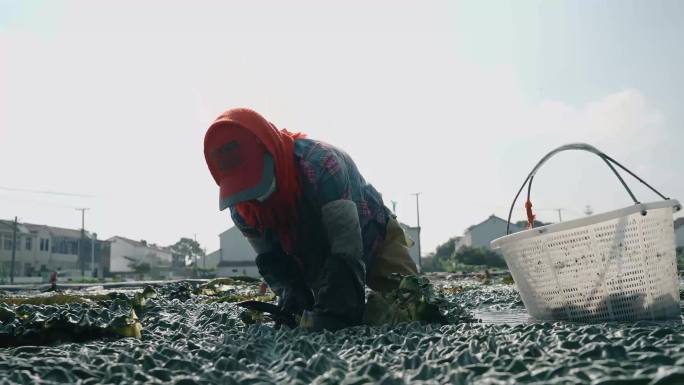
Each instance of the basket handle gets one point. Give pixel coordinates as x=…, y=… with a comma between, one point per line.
x=584, y=147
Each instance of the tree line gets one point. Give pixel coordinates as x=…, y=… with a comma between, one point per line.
x=447, y=258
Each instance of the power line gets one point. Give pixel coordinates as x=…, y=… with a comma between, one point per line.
x=45, y=192
x=32, y=201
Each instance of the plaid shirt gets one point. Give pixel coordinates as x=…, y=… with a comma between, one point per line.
x=329, y=174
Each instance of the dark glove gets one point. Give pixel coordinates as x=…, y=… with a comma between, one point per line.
x=295, y=300
x=279, y=270
x=282, y=274
x=341, y=289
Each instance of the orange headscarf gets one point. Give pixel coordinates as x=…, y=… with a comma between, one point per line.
x=279, y=211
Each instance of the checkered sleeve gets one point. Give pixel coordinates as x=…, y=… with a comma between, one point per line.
x=333, y=182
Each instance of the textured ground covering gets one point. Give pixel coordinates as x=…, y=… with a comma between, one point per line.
x=187, y=339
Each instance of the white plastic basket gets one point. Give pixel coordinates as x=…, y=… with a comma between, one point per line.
x=615, y=266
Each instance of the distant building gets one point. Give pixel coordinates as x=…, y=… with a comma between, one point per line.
x=211, y=260
x=481, y=234
x=235, y=268
x=235, y=247
x=41, y=249
x=458, y=242
x=235, y=257
x=679, y=233
x=413, y=233
x=26, y=255
x=125, y=253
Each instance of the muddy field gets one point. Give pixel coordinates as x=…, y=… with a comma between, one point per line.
x=188, y=337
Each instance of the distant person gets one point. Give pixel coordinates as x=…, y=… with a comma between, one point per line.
x=487, y=277
x=53, y=281
x=263, y=286
x=321, y=233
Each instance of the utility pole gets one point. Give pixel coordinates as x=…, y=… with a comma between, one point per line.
x=195, y=257
x=92, y=254
x=420, y=263
x=80, y=241
x=560, y=218
x=82, y=210
x=14, y=250
x=394, y=207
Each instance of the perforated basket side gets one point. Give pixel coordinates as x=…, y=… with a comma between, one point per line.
x=608, y=268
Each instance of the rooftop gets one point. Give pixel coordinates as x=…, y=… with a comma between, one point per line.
x=6, y=225
x=27, y=228
x=141, y=243
x=57, y=231
x=407, y=227
x=514, y=227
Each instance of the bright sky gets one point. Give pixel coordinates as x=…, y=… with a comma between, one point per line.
x=456, y=100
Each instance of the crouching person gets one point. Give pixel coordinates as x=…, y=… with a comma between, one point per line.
x=320, y=231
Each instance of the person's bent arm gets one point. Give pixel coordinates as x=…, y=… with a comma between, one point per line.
x=279, y=270
x=340, y=293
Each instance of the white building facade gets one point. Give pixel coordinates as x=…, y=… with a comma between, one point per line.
x=235, y=257
x=41, y=249
x=237, y=268
x=414, y=250
x=125, y=253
